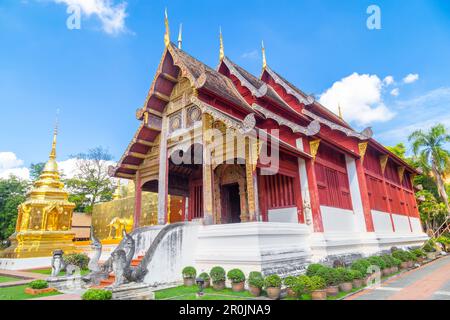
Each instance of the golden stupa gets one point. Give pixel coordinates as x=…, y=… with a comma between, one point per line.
x=44, y=219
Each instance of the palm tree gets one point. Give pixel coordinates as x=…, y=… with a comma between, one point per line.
x=428, y=147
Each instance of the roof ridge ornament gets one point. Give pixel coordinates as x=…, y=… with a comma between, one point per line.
x=263, y=50
x=180, y=36
x=221, y=50
x=167, y=33
x=55, y=134
x=340, y=111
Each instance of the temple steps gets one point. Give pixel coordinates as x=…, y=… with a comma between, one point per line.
x=110, y=280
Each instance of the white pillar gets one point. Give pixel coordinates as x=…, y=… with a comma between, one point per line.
x=163, y=182
x=360, y=223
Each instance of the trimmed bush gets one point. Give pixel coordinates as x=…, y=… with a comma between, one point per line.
x=317, y=283
x=313, y=269
x=204, y=276
x=361, y=265
x=396, y=262
x=236, y=276
x=189, y=272
x=272, y=281
x=356, y=274
x=344, y=275
x=290, y=281
x=302, y=285
x=330, y=275
x=256, y=279
x=217, y=274
x=429, y=246
x=387, y=258
x=444, y=240
x=80, y=260
x=377, y=261
x=401, y=255
x=38, y=284
x=97, y=294
x=419, y=253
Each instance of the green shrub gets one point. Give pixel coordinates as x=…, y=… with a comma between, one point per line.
x=419, y=253
x=302, y=285
x=361, y=265
x=272, y=281
x=377, y=261
x=356, y=274
x=313, y=269
x=344, y=275
x=217, y=274
x=38, y=284
x=317, y=283
x=330, y=275
x=256, y=279
x=189, y=272
x=387, y=258
x=401, y=255
x=396, y=262
x=429, y=246
x=97, y=294
x=290, y=281
x=236, y=276
x=444, y=240
x=204, y=276
x=80, y=260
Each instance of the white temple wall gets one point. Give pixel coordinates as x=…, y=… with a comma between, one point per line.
x=337, y=220
x=286, y=215
x=382, y=222
x=358, y=209
x=416, y=225
x=401, y=223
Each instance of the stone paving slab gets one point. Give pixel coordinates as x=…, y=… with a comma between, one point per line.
x=23, y=274
x=66, y=296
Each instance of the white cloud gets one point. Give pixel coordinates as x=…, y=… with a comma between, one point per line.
x=388, y=80
x=11, y=165
x=112, y=16
x=410, y=78
x=395, y=92
x=359, y=97
x=250, y=55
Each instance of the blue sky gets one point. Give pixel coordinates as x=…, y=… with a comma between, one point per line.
x=99, y=75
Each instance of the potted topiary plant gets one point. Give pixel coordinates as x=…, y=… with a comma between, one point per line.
x=97, y=294
x=403, y=257
x=290, y=282
x=363, y=266
x=420, y=255
x=388, y=264
x=358, y=278
x=345, y=279
x=411, y=258
x=217, y=275
x=331, y=277
x=313, y=269
x=272, y=284
x=317, y=288
x=189, y=274
x=237, y=278
x=206, y=279
x=430, y=250
x=396, y=264
x=255, y=283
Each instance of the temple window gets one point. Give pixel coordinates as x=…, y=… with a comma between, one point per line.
x=280, y=191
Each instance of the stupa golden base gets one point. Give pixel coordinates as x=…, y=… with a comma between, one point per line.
x=32, y=244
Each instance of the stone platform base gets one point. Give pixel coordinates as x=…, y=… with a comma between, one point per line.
x=132, y=291
x=25, y=263
x=65, y=283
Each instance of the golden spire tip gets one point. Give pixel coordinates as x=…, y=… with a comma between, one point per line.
x=55, y=133
x=222, y=51
x=340, y=111
x=167, y=33
x=263, y=49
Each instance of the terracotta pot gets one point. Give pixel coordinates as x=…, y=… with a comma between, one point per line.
x=189, y=282
x=254, y=291
x=357, y=283
x=319, y=295
x=386, y=272
x=219, y=285
x=332, y=290
x=237, y=287
x=207, y=284
x=394, y=269
x=273, y=293
x=404, y=265
x=410, y=264
x=290, y=292
x=346, y=287
x=38, y=291
x=420, y=260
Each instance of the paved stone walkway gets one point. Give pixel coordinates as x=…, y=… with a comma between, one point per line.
x=429, y=282
x=24, y=277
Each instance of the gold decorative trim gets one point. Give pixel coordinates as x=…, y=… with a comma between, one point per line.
x=401, y=173
x=362, y=150
x=383, y=162
x=314, y=147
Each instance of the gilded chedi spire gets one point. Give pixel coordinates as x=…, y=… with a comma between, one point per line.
x=221, y=50
x=167, y=33
x=264, y=61
x=44, y=220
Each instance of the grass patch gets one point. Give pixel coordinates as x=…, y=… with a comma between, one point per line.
x=4, y=279
x=189, y=293
x=48, y=271
x=18, y=293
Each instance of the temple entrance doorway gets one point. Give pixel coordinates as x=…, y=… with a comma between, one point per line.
x=231, y=208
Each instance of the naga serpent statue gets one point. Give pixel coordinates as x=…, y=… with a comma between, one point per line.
x=96, y=273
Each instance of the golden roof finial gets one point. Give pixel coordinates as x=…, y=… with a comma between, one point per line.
x=117, y=193
x=340, y=111
x=222, y=50
x=167, y=33
x=263, y=49
x=180, y=36
x=55, y=133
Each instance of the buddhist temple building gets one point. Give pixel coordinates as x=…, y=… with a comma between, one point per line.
x=263, y=168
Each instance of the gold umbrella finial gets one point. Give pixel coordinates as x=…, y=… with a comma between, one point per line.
x=167, y=33
x=180, y=36
x=55, y=134
x=263, y=49
x=222, y=50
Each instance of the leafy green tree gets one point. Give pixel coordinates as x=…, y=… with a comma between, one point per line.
x=12, y=193
x=92, y=183
x=399, y=150
x=432, y=212
x=428, y=147
x=36, y=170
